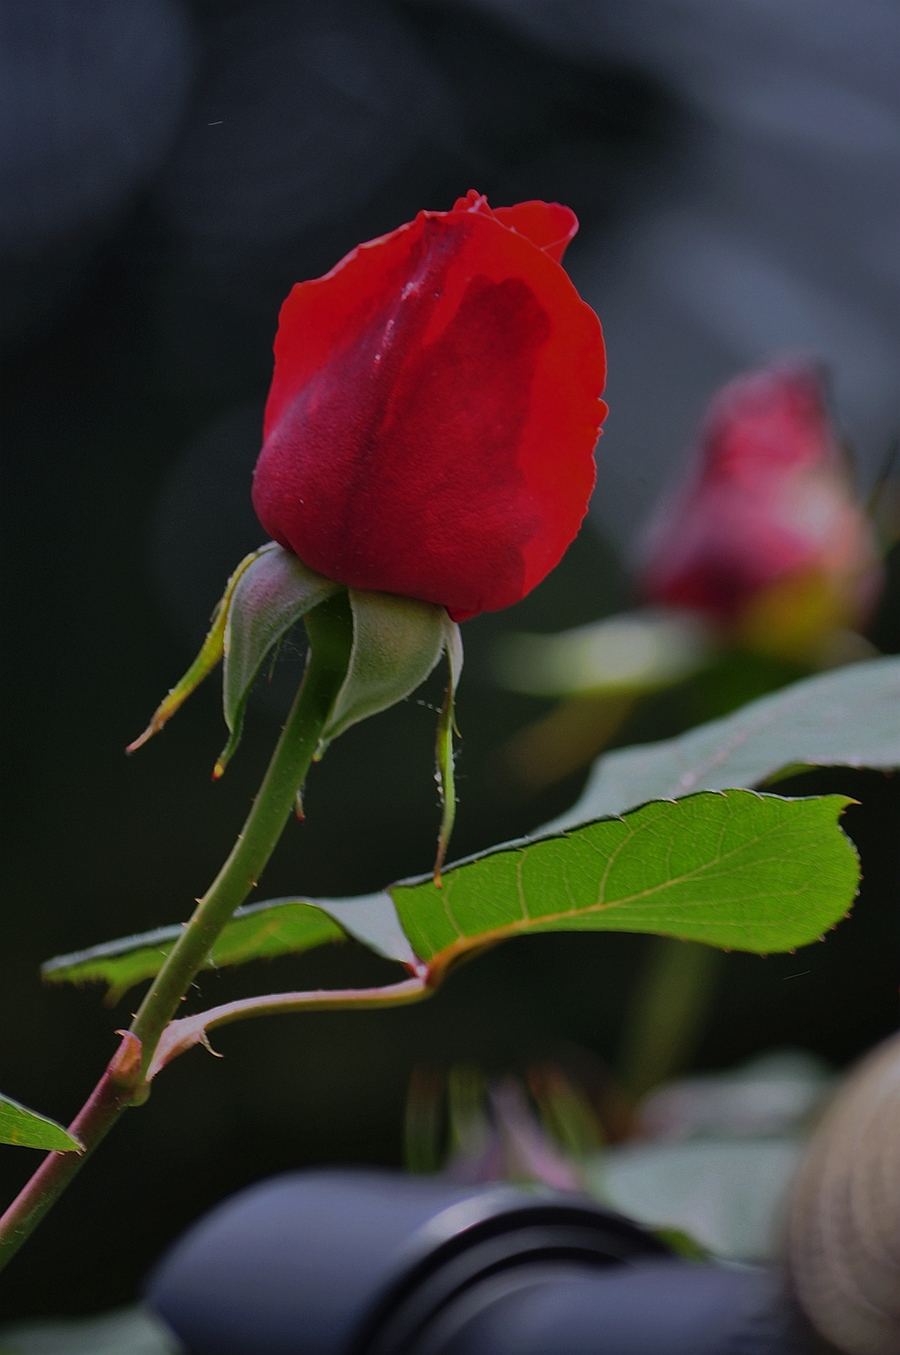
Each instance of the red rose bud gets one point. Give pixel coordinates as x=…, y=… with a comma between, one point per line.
x=768, y=538
x=434, y=410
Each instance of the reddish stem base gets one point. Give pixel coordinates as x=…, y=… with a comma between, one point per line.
x=91, y=1125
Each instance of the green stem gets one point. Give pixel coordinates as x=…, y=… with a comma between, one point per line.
x=255, y=843
x=249, y=855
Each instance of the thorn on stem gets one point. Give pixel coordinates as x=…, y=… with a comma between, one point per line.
x=204, y=1040
x=124, y=1067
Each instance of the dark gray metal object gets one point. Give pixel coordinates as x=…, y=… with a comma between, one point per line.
x=360, y=1263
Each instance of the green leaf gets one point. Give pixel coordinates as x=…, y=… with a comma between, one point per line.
x=396, y=643
x=28, y=1129
x=632, y=652
x=372, y=919
x=258, y=931
x=736, y=869
x=124, y=1331
x=274, y=592
x=728, y=1196
x=847, y=717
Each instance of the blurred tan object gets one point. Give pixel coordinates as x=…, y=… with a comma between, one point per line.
x=844, y=1229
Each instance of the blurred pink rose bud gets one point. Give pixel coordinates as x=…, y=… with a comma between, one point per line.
x=768, y=538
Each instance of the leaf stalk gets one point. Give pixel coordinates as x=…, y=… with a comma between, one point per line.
x=183, y=1034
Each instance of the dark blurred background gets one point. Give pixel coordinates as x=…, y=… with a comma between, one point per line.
x=167, y=172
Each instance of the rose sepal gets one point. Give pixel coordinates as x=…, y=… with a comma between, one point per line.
x=272, y=594
x=385, y=646
x=210, y=653
x=397, y=643
x=444, y=756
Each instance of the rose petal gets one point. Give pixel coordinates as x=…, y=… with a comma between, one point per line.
x=434, y=410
